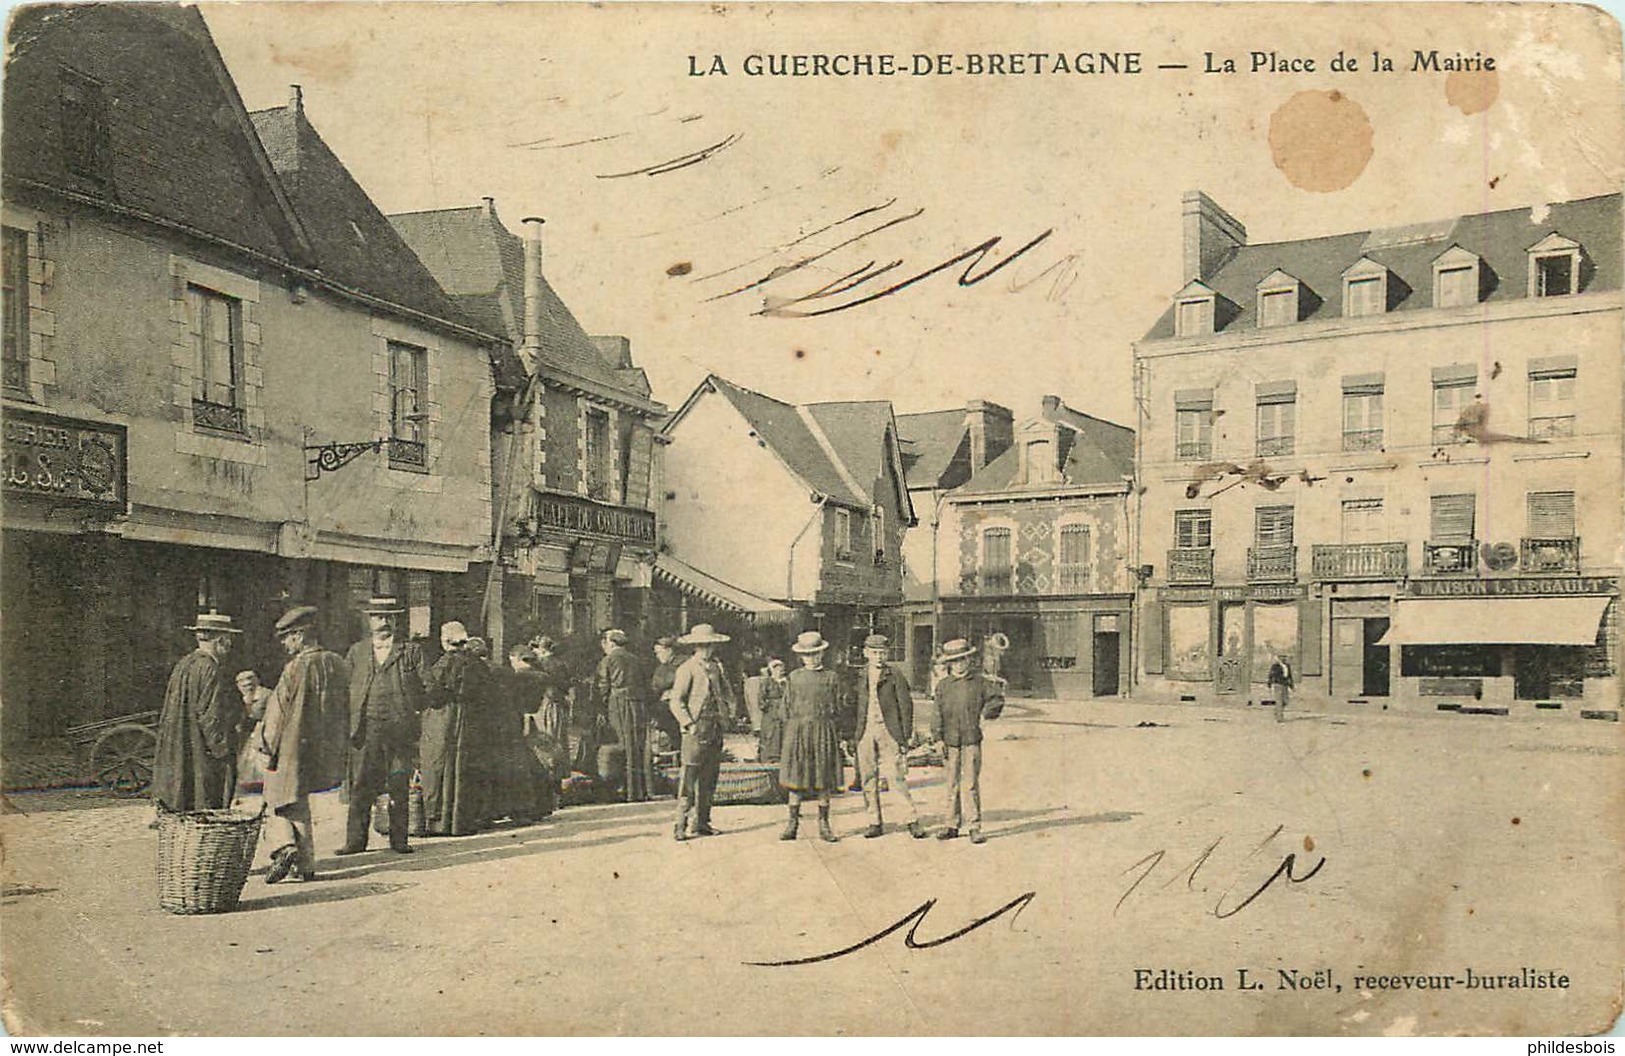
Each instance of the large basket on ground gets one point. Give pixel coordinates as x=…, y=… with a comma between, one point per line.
x=743, y=783
x=204, y=857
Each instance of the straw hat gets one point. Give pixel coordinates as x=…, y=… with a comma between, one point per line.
x=876, y=641
x=703, y=634
x=809, y=642
x=382, y=605
x=214, y=621
x=957, y=649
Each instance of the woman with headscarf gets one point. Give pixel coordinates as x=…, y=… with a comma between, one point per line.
x=770, y=740
x=811, y=759
x=455, y=749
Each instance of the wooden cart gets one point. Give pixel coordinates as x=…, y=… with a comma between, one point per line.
x=121, y=751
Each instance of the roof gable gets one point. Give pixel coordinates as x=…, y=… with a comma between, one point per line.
x=1278, y=279
x=1365, y=268
x=1455, y=257
x=932, y=443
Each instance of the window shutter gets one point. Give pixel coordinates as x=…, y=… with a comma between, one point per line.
x=1152, y=636
x=1551, y=514
x=1453, y=516
x=638, y=462
x=1309, y=636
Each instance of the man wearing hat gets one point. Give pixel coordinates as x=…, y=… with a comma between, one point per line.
x=200, y=725
x=700, y=697
x=386, y=700
x=963, y=700
x=302, y=741
x=884, y=725
x=620, y=685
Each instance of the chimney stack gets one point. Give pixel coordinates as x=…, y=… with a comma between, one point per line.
x=530, y=350
x=489, y=204
x=992, y=431
x=1051, y=404
x=1211, y=235
x=296, y=99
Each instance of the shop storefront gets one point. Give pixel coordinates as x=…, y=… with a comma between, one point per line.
x=1063, y=647
x=1222, y=640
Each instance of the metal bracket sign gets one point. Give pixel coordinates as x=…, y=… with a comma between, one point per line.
x=328, y=458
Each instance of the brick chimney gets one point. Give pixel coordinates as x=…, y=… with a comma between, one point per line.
x=530, y=349
x=992, y=431
x=296, y=99
x=1211, y=235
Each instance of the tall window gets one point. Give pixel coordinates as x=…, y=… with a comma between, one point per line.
x=1073, y=568
x=1041, y=468
x=1362, y=418
x=1193, y=529
x=878, y=526
x=1363, y=521
x=843, y=534
x=1551, y=515
x=15, y=272
x=217, y=356
x=1450, y=399
x=408, y=394
x=1277, y=425
x=86, y=144
x=1554, y=274
x=998, y=573
x=1551, y=402
x=1452, y=518
x=1366, y=296
x=1193, y=440
x=599, y=476
x=1456, y=286
x=1272, y=526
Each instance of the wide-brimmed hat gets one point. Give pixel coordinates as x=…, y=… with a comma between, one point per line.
x=703, y=634
x=957, y=649
x=876, y=641
x=383, y=605
x=809, y=642
x=214, y=621
x=296, y=619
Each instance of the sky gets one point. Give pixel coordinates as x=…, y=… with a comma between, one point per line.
x=702, y=216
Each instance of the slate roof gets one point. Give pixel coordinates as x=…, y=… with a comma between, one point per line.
x=1499, y=238
x=1093, y=453
x=932, y=442
x=478, y=260
x=179, y=146
x=355, y=245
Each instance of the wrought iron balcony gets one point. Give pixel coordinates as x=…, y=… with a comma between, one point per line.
x=408, y=454
x=221, y=416
x=1360, y=561
x=1191, y=565
x=1193, y=450
x=1275, y=446
x=1458, y=557
x=1272, y=564
x=1362, y=439
x=1549, y=555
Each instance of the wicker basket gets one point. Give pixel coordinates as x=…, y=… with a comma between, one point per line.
x=742, y=783
x=204, y=857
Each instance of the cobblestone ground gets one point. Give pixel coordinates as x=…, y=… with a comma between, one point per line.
x=1449, y=843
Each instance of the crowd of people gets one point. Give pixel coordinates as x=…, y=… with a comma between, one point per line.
x=475, y=742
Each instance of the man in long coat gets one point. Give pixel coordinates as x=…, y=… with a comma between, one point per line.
x=700, y=697
x=302, y=741
x=200, y=726
x=386, y=700
x=620, y=685
x=455, y=751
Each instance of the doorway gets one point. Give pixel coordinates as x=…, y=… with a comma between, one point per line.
x=1106, y=664
x=925, y=645
x=1375, y=666
x=1232, y=668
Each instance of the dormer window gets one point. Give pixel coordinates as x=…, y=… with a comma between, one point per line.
x=1278, y=299
x=1554, y=266
x=1456, y=278
x=1365, y=288
x=1040, y=461
x=1195, y=310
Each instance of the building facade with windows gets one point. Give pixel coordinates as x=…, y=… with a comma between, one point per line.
x=1035, y=546
x=227, y=381
x=1392, y=455
x=800, y=505
x=576, y=466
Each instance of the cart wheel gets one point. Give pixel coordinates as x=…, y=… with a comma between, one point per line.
x=122, y=759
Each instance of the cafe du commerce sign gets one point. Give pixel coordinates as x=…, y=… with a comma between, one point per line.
x=65, y=460
x=558, y=513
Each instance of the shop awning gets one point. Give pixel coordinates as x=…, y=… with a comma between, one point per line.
x=1496, y=621
x=713, y=591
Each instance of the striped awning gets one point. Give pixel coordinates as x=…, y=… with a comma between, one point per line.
x=715, y=592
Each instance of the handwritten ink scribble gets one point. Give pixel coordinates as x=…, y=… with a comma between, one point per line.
x=913, y=920
x=802, y=238
x=543, y=144
x=1284, y=869
x=682, y=161
x=787, y=269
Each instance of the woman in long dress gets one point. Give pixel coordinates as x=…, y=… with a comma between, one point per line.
x=770, y=739
x=810, y=763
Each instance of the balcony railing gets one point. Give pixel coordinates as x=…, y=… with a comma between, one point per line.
x=1457, y=557
x=1272, y=564
x=1549, y=555
x=222, y=416
x=408, y=454
x=1194, y=451
x=1362, y=439
x=1553, y=428
x=1275, y=446
x=1360, y=561
x=1191, y=565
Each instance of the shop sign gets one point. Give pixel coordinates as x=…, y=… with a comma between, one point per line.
x=1275, y=591
x=561, y=513
x=65, y=459
x=1500, y=588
